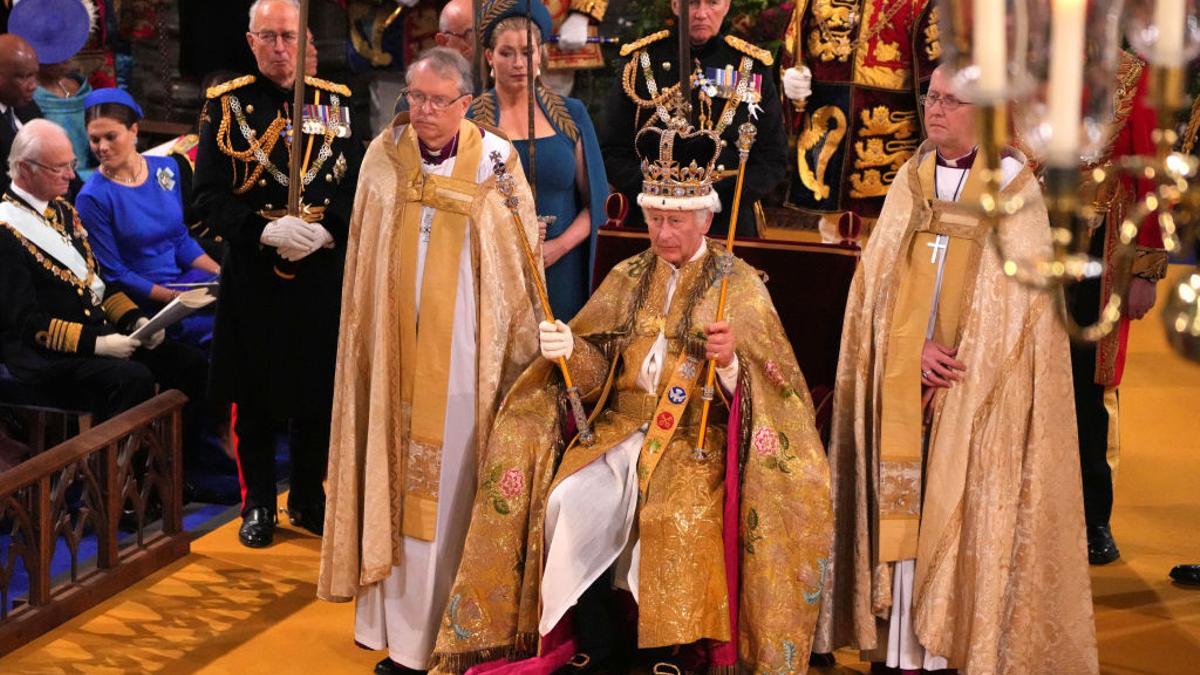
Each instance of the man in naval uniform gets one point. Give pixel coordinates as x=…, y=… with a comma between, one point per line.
x=61, y=325
x=276, y=329
x=735, y=85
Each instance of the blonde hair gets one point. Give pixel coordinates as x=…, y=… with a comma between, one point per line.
x=515, y=23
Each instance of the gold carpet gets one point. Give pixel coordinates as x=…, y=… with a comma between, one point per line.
x=228, y=609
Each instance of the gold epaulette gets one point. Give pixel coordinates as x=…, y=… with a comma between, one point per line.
x=639, y=44
x=750, y=50
x=593, y=8
x=226, y=87
x=327, y=85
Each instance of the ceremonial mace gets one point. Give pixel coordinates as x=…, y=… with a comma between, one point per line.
x=504, y=184
x=745, y=139
x=286, y=269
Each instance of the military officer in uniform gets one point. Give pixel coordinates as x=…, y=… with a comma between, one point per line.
x=733, y=84
x=858, y=68
x=275, y=337
x=62, y=326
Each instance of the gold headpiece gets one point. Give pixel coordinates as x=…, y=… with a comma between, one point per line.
x=679, y=167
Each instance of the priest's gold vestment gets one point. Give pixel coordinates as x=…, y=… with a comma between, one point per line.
x=1001, y=582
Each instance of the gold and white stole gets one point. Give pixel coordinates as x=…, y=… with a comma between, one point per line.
x=940, y=263
x=425, y=345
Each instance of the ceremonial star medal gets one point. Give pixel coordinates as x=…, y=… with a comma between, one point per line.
x=339, y=167
x=166, y=178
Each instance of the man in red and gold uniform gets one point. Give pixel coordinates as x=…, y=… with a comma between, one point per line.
x=857, y=69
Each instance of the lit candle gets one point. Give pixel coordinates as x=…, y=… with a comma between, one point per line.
x=1066, y=80
x=1169, y=19
x=988, y=42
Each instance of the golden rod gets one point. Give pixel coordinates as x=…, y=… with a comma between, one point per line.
x=746, y=135
x=504, y=184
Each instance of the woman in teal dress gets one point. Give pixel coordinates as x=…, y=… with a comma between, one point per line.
x=569, y=180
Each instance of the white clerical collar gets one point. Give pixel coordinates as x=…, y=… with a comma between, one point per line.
x=39, y=205
x=962, y=162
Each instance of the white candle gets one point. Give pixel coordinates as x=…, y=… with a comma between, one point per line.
x=1066, y=80
x=1169, y=18
x=989, y=46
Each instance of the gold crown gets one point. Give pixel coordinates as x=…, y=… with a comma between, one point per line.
x=667, y=176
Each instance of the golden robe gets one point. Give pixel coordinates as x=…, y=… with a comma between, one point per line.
x=371, y=438
x=784, y=505
x=1001, y=582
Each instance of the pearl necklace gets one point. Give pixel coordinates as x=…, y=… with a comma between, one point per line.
x=128, y=181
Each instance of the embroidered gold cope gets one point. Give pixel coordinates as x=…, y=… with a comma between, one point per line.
x=389, y=407
x=784, y=508
x=999, y=530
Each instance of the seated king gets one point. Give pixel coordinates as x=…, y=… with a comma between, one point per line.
x=719, y=546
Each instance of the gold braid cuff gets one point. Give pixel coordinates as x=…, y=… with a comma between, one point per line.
x=117, y=306
x=61, y=336
x=1150, y=263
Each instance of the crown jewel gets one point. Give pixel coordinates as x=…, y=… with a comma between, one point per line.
x=678, y=162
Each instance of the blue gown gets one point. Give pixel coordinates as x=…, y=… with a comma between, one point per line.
x=569, y=280
x=68, y=114
x=139, y=238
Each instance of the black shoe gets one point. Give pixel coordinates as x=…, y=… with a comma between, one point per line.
x=821, y=660
x=390, y=667
x=1101, y=548
x=311, y=517
x=1187, y=575
x=258, y=527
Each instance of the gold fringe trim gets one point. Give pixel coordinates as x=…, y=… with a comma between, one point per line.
x=724, y=670
x=750, y=50
x=226, y=87
x=523, y=647
x=637, y=45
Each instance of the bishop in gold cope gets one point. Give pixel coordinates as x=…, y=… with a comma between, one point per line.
x=959, y=534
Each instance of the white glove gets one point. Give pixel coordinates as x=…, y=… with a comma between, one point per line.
x=555, y=340
x=288, y=252
x=290, y=232
x=116, y=346
x=797, y=83
x=573, y=33
x=154, y=340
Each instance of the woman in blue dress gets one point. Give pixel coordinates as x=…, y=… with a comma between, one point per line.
x=570, y=183
x=132, y=208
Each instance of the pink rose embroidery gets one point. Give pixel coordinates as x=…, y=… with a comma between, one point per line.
x=774, y=374
x=766, y=442
x=512, y=483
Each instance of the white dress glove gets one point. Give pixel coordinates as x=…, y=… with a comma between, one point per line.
x=290, y=232
x=116, y=346
x=154, y=340
x=573, y=33
x=797, y=83
x=555, y=340
x=293, y=253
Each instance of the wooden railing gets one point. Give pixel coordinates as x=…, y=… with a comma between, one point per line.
x=79, y=489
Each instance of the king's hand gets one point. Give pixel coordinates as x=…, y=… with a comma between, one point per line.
x=555, y=340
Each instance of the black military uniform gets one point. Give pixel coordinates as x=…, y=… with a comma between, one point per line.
x=275, y=338
x=720, y=65
x=50, y=320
